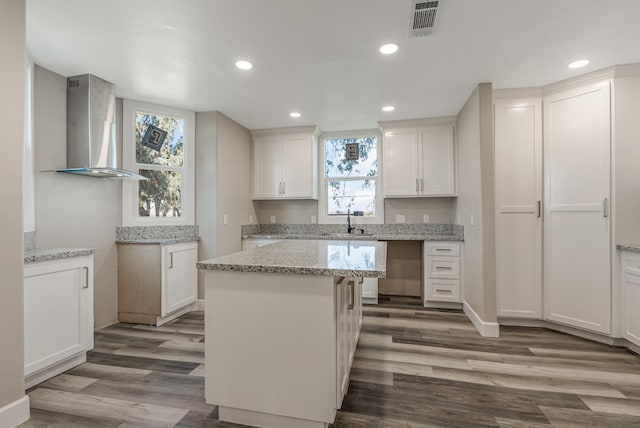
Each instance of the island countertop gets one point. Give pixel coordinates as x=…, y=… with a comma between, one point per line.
x=308, y=257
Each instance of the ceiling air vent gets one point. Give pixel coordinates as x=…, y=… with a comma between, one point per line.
x=422, y=18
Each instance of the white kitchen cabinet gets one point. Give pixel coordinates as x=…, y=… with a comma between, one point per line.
x=442, y=274
x=577, y=229
x=58, y=316
x=419, y=162
x=518, y=171
x=180, y=285
x=631, y=297
x=349, y=310
x=370, y=291
x=156, y=283
x=285, y=164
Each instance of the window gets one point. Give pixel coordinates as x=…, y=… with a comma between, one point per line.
x=166, y=197
x=351, y=184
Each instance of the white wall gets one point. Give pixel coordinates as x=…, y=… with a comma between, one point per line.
x=440, y=210
x=292, y=211
x=475, y=202
x=223, y=185
x=73, y=211
x=12, y=46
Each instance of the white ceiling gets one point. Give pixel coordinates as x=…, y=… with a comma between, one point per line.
x=320, y=57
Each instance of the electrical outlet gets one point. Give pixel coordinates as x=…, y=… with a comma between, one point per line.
x=225, y=219
x=459, y=219
x=314, y=219
x=472, y=220
x=425, y=218
x=273, y=219
x=400, y=218
x=250, y=219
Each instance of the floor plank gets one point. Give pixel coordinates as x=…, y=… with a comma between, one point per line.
x=414, y=367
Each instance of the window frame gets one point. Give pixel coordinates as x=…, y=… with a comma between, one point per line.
x=323, y=215
x=130, y=189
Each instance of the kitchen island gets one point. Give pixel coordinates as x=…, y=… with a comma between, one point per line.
x=281, y=328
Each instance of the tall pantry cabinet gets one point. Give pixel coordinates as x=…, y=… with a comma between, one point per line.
x=553, y=202
x=577, y=227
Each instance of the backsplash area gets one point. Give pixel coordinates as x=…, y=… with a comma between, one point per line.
x=128, y=233
x=317, y=229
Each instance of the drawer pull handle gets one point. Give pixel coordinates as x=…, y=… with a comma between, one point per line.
x=443, y=291
x=444, y=267
x=443, y=249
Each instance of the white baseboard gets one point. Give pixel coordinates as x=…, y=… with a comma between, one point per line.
x=199, y=305
x=40, y=376
x=15, y=413
x=596, y=337
x=163, y=320
x=443, y=305
x=486, y=329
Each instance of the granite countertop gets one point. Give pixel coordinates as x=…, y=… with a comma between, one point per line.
x=158, y=241
x=629, y=247
x=308, y=257
x=358, y=237
x=44, y=254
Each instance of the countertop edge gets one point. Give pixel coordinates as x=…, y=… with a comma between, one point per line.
x=291, y=270
x=47, y=254
x=355, y=237
x=158, y=241
x=634, y=248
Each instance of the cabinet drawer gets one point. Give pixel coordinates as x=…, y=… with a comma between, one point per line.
x=631, y=263
x=443, y=249
x=444, y=267
x=443, y=290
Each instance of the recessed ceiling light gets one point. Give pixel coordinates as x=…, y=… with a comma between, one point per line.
x=579, y=63
x=388, y=108
x=295, y=114
x=389, y=48
x=244, y=65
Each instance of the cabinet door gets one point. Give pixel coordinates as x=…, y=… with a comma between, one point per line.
x=342, y=339
x=267, y=168
x=299, y=157
x=518, y=163
x=181, y=277
x=400, y=156
x=630, y=312
x=438, y=162
x=58, y=312
x=577, y=284
x=370, y=288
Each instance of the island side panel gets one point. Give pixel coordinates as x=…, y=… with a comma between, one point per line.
x=270, y=343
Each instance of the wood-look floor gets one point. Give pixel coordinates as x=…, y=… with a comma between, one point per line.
x=413, y=368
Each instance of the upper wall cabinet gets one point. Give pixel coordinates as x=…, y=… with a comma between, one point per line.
x=419, y=162
x=285, y=163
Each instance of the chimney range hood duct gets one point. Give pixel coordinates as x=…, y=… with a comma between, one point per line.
x=91, y=129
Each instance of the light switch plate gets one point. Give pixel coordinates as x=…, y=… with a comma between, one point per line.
x=250, y=219
x=225, y=219
x=425, y=218
x=472, y=220
x=273, y=219
x=400, y=218
x=314, y=220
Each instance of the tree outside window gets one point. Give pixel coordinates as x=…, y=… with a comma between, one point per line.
x=161, y=194
x=351, y=184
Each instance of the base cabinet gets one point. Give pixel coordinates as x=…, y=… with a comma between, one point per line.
x=631, y=297
x=442, y=272
x=156, y=283
x=279, y=347
x=58, y=316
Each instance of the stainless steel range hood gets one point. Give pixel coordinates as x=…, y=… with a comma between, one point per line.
x=91, y=129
